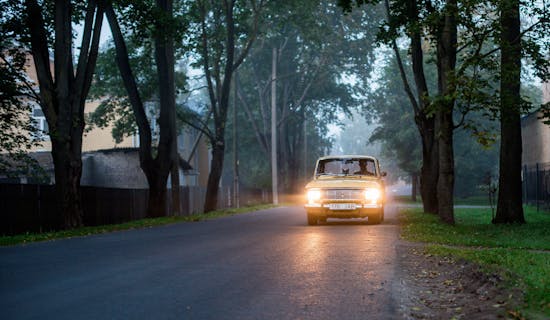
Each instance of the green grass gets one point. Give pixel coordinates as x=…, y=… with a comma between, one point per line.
x=521, y=253
x=473, y=200
x=137, y=224
x=480, y=200
x=473, y=228
x=406, y=199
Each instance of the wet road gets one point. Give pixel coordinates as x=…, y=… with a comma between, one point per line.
x=263, y=265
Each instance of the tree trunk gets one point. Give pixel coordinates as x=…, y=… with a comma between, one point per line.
x=167, y=150
x=430, y=166
x=445, y=182
x=216, y=168
x=446, y=63
x=68, y=170
x=414, y=186
x=509, y=205
x=175, y=181
x=157, y=205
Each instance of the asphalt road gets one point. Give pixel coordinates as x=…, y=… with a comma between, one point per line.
x=263, y=265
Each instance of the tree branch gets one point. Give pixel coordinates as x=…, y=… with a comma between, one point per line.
x=257, y=133
x=251, y=38
x=85, y=46
x=23, y=80
x=145, y=136
x=41, y=57
x=206, y=64
x=92, y=57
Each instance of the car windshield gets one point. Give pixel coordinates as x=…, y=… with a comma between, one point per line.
x=349, y=166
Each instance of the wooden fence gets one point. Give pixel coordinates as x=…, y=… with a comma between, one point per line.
x=33, y=208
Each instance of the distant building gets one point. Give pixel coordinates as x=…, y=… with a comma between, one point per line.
x=536, y=135
x=120, y=168
x=109, y=168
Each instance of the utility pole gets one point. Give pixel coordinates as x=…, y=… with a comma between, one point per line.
x=175, y=176
x=235, y=147
x=274, y=185
x=305, y=149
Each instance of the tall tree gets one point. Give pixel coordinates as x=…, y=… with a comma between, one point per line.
x=63, y=93
x=226, y=31
x=402, y=142
x=447, y=46
x=509, y=206
x=421, y=103
x=407, y=14
x=156, y=164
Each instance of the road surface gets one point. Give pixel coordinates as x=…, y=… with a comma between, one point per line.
x=262, y=265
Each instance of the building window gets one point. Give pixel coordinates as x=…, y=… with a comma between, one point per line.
x=40, y=122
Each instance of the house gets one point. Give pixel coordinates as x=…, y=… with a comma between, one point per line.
x=99, y=147
x=535, y=140
x=536, y=156
x=536, y=135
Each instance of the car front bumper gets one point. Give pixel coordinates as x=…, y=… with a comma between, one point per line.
x=360, y=211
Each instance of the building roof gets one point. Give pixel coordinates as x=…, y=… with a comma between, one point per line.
x=184, y=165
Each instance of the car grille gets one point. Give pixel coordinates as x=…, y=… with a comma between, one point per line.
x=344, y=194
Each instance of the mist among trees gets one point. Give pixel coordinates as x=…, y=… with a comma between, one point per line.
x=434, y=89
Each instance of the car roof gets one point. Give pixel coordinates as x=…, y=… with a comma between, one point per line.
x=347, y=157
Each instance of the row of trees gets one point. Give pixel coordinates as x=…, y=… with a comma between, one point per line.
x=312, y=52
x=148, y=39
x=476, y=47
x=322, y=59
x=315, y=47
x=45, y=27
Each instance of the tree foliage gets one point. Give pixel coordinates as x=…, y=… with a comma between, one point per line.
x=18, y=131
x=115, y=109
x=464, y=37
x=317, y=49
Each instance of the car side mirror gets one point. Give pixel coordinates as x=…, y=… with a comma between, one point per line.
x=384, y=173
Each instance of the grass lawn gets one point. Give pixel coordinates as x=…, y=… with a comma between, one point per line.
x=143, y=223
x=521, y=253
x=482, y=200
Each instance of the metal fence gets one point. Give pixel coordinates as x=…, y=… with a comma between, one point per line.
x=33, y=208
x=536, y=185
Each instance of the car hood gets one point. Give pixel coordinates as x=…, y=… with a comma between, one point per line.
x=343, y=183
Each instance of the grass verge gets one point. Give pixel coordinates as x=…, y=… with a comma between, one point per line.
x=137, y=224
x=480, y=200
x=520, y=253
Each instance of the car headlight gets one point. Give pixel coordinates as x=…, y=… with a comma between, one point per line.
x=313, y=195
x=372, y=194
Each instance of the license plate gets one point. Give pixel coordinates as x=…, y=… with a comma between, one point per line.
x=341, y=206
